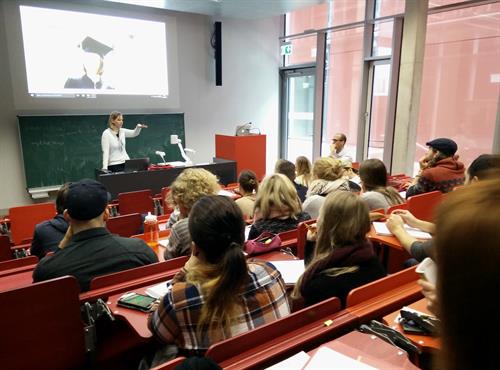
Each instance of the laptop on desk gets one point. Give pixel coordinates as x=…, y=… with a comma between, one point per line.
x=136, y=164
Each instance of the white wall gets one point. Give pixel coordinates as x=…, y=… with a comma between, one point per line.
x=249, y=93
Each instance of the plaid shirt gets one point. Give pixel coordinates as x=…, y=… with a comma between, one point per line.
x=175, y=320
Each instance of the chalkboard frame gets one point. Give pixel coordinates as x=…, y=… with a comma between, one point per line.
x=61, y=148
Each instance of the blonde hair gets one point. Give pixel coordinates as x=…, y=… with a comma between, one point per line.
x=343, y=221
x=277, y=192
x=327, y=168
x=303, y=166
x=112, y=116
x=190, y=185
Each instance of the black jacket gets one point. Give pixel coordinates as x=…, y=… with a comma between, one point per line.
x=47, y=236
x=94, y=252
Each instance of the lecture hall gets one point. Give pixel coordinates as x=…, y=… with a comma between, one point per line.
x=249, y=184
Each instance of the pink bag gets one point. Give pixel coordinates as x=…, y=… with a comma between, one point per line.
x=265, y=242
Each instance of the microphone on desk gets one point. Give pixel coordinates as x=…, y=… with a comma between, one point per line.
x=162, y=155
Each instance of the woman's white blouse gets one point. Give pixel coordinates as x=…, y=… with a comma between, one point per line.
x=113, y=148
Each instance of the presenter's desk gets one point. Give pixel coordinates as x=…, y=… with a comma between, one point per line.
x=122, y=182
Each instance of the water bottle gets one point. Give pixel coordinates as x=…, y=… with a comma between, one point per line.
x=151, y=230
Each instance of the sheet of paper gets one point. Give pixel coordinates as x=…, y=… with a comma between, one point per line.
x=327, y=359
x=163, y=242
x=247, y=231
x=381, y=229
x=296, y=362
x=290, y=270
x=226, y=193
x=159, y=290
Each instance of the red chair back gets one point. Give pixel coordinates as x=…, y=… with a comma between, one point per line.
x=24, y=219
x=18, y=264
x=302, y=238
x=422, y=206
x=5, y=251
x=125, y=225
x=136, y=273
x=42, y=327
x=265, y=337
x=380, y=286
x=397, y=206
x=135, y=202
x=170, y=365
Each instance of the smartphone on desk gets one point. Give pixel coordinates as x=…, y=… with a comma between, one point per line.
x=136, y=301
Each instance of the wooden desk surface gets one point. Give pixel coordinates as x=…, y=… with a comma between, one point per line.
x=370, y=350
x=390, y=241
x=16, y=280
x=424, y=342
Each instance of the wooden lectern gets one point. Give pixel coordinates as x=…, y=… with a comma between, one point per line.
x=249, y=152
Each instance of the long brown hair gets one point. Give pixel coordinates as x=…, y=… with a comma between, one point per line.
x=344, y=220
x=303, y=166
x=373, y=175
x=217, y=228
x=468, y=258
x=112, y=116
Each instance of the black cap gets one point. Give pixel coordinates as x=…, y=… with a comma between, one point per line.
x=91, y=45
x=444, y=145
x=86, y=199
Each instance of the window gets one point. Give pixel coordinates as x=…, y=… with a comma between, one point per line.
x=461, y=80
x=342, y=86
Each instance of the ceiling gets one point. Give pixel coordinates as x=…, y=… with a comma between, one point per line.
x=242, y=9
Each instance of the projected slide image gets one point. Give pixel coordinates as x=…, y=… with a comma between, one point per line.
x=70, y=52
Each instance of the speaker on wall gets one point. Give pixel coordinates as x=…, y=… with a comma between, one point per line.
x=217, y=44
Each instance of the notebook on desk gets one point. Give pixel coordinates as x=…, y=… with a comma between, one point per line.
x=381, y=229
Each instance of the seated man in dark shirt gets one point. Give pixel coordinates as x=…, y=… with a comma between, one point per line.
x=287, y=168
x=88, y=249
x=49, y=233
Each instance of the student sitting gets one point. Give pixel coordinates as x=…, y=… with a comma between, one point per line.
x=287, y=168
x=188, y=187
x=277, y=208
x=249, y=185
x=304, y=173
x=439, y=169
x=88, y=249
x=376, y=193
x=218, y=294
x=48, y=234
x=343, y=258
x=327, y=178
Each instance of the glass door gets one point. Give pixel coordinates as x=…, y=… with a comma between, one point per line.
x=298, y=113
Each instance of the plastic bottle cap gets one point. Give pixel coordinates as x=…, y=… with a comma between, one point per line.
x=150, y=217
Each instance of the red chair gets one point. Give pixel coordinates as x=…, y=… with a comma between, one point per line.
x=383, y=296
x=24, y=219
x=422, y=206
x=125, y=225
x=127, y=280
x=13, y=266
x=135, y=202
x=5, y=251
x=397, y=206
x=42, y=326
x=170, y=365
x=280, y=339
x=302, y=238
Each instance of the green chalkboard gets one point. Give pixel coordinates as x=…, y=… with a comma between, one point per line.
x=57, y=149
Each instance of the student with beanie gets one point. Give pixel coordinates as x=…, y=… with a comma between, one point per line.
x=88, y=249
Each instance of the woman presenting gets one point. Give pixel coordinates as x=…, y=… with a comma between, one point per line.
x=114, y=154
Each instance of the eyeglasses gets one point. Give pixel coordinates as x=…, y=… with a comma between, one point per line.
x=335, y=140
